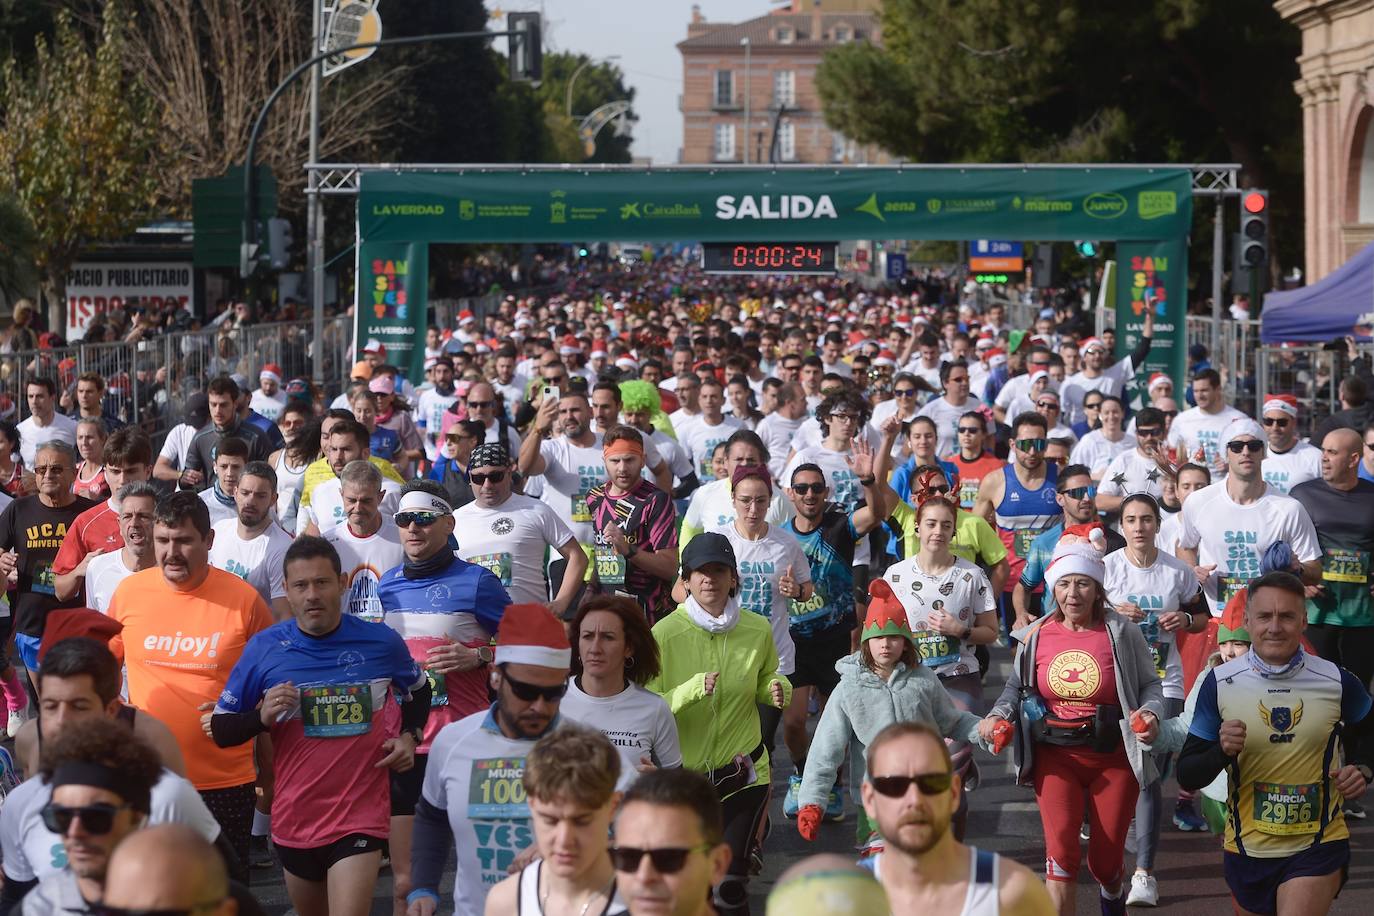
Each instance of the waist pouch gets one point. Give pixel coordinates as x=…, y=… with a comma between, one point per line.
x=1101, y=733
x=738, y=774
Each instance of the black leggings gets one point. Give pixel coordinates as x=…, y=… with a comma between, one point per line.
x=742, y=813
x=1350, y=647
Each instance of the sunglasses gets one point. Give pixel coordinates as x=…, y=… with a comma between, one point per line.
x=1170, y=414
x=480, y=405
x=938, y=491
x=97, y=819
x=801, y=489
x=1277, y=421
x=1253, y=446
x=531, y=692
x=423, y=519
x=667, y=860
x=1093, y=406
x=1047, y=405
x=44, y=470
x=897, y=786
x=904, y=392
x=100, y=909
x=1081, y=492
x=493, y=476
x=970, y=430
x=1149, y=431
x=1031, y=445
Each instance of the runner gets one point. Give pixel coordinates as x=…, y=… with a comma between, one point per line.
x=921, y=441
x=1196, y=433
x=137, y=504
x=707, y=429
x=252, y=545
x=231, y=456
x=1288, y=461
x=473, y=788
x=267, y=399
x=952, y=404
x=1287, y=844
x=911, y=793
x=713, y=504
x=1100, y=447
x=971, y=459
x=367, y=545
x=44, y=423
x=321, y=684
x=570, y=780
x=1140, y=470
x=429, y=411
x=1097, y=375
x=224, y=423
x=634, y=542
x=508, y=533
x=347, y=441
x=91, y=436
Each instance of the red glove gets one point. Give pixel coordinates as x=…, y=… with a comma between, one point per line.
x=808, y=819
x=1138, y=723
x=1002, y=733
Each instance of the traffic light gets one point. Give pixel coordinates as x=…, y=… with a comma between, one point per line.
x=526, y=47
x=1086, y=249
x=279, y=242
x=1254, y=229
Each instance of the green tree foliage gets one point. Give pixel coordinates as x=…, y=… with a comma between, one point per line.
x=596, y=85
x=75, y=146
x=1080, y=81
x=18, y=245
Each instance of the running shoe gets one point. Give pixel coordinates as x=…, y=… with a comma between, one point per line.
x=260, y=853
x=792, y=803
x=1355, y=809
x=16, y=721
x=1187, y=819
x=1113, y=907
x=1144, y=891
x=834, y=805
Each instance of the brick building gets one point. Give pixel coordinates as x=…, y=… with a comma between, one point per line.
x=764, y=70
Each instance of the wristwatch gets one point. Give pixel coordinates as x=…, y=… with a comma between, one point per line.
x=968, y=631
x=1366, y=772
x=867, y=481
x=485, y=655
x=634, y=549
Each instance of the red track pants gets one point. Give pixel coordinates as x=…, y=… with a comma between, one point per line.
x=1067, y=778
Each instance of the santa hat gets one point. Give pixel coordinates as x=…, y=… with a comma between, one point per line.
x=599, y=352
x=374, y=345
x=530, y=635
x=627, y=363
x=886, y=616
x=985, y=343
x=1079, y=552
x=1158, y=379
x=1089, y=343
x=1037, y=375
x=885, y=358
x=272, y=371
x=1241, y=426
x=569, y=346
x=74, y=623
x=466, y=317
x=1283, y=403
x=996, y=358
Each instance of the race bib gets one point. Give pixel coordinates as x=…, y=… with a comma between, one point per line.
x=579, y=509
x=936, y=649
x=1344, y=564
x=438, y=688
x=44, y=582
x=498, y=564
x=968, y=494
x=610, y=565
x=1227, y=586
x=1286, y=810
x=1159, y=651
x=336, y=711
x=495, y=789
x=1021, y=540
x=800, y=611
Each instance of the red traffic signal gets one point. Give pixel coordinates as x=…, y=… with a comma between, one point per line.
x=1255, y=201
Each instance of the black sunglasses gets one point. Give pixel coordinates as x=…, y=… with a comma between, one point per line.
x=423, y=519
x=939, y=491
x=479, y=405
x=969, y=430
x=493, y=476
x=1277, y=421
x=531, y=692
x=1253, y=446
x=897, y=786
x=1047, y=405
x=1148, y=431
x=668, y=860
x=1170, y=414
x=904, y=392
x=804, y=488
x=97, y=819
x=100, y=909
x=1080, y=492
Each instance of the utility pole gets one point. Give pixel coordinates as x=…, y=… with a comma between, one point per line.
x=314, y=202
x=748, y=73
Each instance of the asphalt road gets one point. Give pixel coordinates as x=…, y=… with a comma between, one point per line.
x=1004, y=818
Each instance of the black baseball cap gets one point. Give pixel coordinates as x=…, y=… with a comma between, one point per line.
x=707, y=548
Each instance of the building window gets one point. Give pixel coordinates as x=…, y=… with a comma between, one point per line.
x=725, y=143
x=837, y=147
x=785, y=88
x=725, y=88
x=786, y=35
x=842, y=33
x=787, y=141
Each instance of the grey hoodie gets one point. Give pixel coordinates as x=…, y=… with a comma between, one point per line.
x=1137, y=687
x=864, y=704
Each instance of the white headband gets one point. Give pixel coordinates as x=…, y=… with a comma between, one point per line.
x=420, y=501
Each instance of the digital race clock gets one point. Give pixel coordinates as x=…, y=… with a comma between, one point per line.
x=768, y=257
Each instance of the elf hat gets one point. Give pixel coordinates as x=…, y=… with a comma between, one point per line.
x=530, y=635
x=886, y=616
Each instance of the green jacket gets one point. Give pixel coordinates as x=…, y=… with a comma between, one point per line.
x=713, y=729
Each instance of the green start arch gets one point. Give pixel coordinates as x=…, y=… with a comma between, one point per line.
x=1146, y=210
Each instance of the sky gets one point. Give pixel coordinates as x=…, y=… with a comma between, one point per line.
x=644, y=33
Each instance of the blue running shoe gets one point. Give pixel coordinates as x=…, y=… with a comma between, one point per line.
x=1187, y=819
x=792, y=802
x=834, y=806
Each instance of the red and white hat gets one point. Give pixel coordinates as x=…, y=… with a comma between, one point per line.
x=996, y=358
x=466, y=317
x=530, y=635
x=1283, y=403
x=885, y=358
x=1089, y=343
x=569, y=346
x=1158, y=379
x=374, y=345
x=600, y=352
x=272, y=371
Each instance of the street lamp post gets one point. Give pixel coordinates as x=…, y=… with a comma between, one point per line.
x=578, y=72
x=748, y=72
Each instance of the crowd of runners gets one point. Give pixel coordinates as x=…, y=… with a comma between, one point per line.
x=548, y=610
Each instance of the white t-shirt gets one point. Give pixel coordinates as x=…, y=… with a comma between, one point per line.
x=671, y=451
x=326, y=507
x=1235, y=537
x=570, y=470
x=1285, y=471
x=761, y=564
x=510, y=540
x=946, y=417
x=778, y=433
x=177, y=444
x=103, y=575
x=1013, y=388
x=844, y=483
x=1097, y=451
x=1194, y=429
x=681, y=419
x=364, y=560
x=713, y=505
x=257, y=562
x=1131, y=472
x=700, y=439
x=429, y=417
x=637, y=721
x=1170, y=530
x=33, y=852
x=511, y=394
x=962, y=591
x=1112, y=381
x=31, y=435
x=219, y=511
x=931, y=375
x=1157, y=590
x=269, y=405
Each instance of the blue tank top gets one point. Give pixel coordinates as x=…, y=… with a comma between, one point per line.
x=1026, y=513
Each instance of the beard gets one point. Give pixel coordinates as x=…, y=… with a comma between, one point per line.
x=934, y=830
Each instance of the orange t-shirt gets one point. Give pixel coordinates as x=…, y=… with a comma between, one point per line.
x=179, y=647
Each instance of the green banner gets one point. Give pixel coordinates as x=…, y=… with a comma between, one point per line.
x=393, y=283
x=1154, y=275
x=730, y=205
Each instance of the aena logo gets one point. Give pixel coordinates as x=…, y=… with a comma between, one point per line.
x=1104, y=205
x=781, y=206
